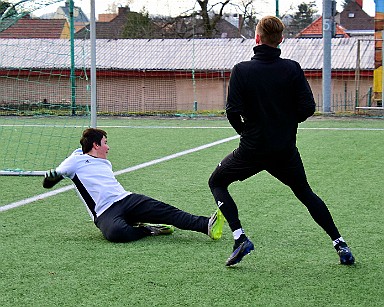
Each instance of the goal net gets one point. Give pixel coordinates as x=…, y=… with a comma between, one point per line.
x=44, y=86
x=155, y=58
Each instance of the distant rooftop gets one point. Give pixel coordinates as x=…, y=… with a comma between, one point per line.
x=78, y=14
x=27, y=27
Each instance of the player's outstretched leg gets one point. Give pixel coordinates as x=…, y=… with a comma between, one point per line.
x=215, y=225
x=243, y=246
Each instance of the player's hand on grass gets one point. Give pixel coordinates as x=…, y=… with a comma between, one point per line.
x=51, y=178
x=51, y=174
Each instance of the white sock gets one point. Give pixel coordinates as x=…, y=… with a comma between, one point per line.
x=237, y=233
x=337, y=241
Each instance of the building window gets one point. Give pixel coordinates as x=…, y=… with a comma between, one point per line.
x=351, y=15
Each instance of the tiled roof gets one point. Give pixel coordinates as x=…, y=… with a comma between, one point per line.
x=109, y=30
x=37, y=28
x=352, y=21
x=176, y=54
x=315, y=29
x=354, y=18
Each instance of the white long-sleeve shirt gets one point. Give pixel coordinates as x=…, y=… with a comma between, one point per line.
x=94, y=180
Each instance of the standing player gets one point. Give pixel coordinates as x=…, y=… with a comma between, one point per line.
x=267, y=97
x=120, y=215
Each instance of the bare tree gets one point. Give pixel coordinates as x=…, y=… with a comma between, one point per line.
x=200, y=21
x=247, y=17
x=209, y=16
x=206, y=19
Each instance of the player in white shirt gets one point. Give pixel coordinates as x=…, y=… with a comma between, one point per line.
x=122, y=216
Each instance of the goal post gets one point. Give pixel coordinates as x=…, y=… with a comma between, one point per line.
x=162, y=62
x=45, y=89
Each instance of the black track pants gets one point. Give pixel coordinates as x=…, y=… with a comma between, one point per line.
x=285, y=166
x=116, y=222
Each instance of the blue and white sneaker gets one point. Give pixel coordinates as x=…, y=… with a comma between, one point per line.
x=239, y=252
x=345, y=255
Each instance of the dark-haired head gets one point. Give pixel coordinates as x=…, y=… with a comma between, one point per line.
x=90, y=136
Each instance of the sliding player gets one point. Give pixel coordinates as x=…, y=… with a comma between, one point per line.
x=120, y=215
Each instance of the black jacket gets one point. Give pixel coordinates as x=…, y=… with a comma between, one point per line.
x=267, y=97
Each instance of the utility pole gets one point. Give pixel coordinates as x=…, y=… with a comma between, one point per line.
x=327, y=39
x=277, y=8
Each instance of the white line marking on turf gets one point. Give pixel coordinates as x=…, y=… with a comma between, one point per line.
x=119, y=126
x=123, y=171
x=344, y=129
x=192, y=127
x=176, y=155
x=133, y=168
x=35, y=198
x=216, y=127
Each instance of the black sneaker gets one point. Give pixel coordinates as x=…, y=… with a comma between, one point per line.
x=345, y=255
x=243, y=249
x=156, y=229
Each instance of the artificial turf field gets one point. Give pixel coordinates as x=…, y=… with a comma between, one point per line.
x=53, y=255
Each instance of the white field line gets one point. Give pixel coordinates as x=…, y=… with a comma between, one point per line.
x=215, y=127
x=117, y=126
x=345, y=129
x=178, y=127
x=123, y=171
x=35, y=198
x=133, y=168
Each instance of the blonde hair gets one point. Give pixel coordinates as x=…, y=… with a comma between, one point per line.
x=270, y=30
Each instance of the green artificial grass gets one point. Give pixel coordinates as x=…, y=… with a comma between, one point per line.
x=53, y=255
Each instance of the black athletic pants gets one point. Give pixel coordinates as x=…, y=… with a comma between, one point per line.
x=285, y=166
x=116, y=222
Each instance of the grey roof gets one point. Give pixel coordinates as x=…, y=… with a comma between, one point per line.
x=78, y=14
x=176, y=54
x=309, y=53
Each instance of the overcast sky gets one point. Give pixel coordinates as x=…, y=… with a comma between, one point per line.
x=174, y=7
